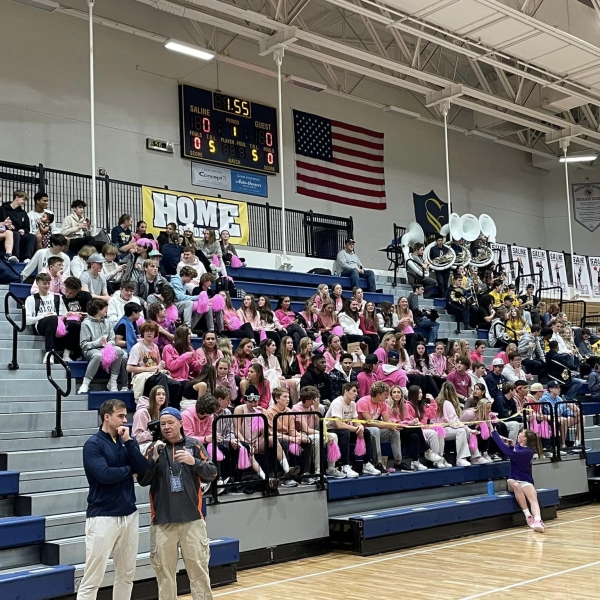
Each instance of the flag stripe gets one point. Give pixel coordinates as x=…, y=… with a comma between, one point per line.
x=340, y=186
x=325, y=188
x=357, y=153
x=358, y=166
x=341, y=199
x=309, y=167
x=357, y=129
x=356, y=141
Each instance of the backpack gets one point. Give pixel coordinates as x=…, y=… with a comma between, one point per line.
x=320, y=272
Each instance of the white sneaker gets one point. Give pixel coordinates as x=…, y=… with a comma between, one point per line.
x=26, y=260
x=348, y=471
x=124, y=389
x=112, y=385
x=479, y=460
x=415, y=465
x=46, y=357
x=430, y=455
x=440, y=464
x=487, y=456
x=368, y=469
x=447, y=464
x=335, y=473
x=66, y=356
x=462, y=462
x=84, y=388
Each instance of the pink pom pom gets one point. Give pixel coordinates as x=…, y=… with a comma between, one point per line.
x=333, y=452
x=319, y=340
x=533, y=424
x=202, y=305
x=493, y=417
x=544, y=430
x=360, y=449
x=209, y=449
x=235, y=323
x=171, y=314
x=257, y=424
x=109, y=355
x=74, y=318
x=61, y=328
x=140, y=321
x=263, y=335
x=243, y=458
x=472, y=442
x=485, y=430
x=216, y=261
x=295, y=449
x=440, y=431
x=236, y=263
x=337, y=330
x=218, y=303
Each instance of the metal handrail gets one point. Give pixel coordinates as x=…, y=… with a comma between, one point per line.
x=13, y=365
x=53, y=356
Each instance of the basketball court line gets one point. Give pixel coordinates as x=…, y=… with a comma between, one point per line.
x=404, y=555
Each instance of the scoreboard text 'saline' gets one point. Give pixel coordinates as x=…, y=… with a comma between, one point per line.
x=227, y=130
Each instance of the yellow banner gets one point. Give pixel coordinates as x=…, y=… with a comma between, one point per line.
x=160, y=206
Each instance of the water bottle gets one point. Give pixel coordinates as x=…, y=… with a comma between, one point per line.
x=490, y=488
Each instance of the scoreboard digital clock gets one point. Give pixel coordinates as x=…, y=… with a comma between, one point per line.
x=227, y=130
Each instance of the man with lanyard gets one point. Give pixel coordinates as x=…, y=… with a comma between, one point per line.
x=442, y=276
x=111, y=459
x=177, y=468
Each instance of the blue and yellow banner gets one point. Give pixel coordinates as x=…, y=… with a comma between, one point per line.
x=430, y=212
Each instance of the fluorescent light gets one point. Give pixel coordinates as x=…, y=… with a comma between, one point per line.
x=401, y=112
x=189, y=49
x=304, y=83
x=575, y=159
x=47, y=5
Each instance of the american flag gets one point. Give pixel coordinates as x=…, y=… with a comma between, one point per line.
x=338, y=162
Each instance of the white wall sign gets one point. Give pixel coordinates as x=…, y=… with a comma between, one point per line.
x=539, y=258
x=558, y=269
x=594, y=262
x=521, y=254
x=586, y=204
x=582, y=277
x=501, y=257
x=212, y=177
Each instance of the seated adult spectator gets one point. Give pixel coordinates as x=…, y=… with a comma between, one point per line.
x=348, y=265
x=341, y=374
x=96, y=334
x=119, y=299
x=57, y=277
x=92, y=280
x=189, y=259
x=40, y=259
x=23, y=239
x=76, y=228
x=417, y=271
x=147, y=409
x=505, y=407
x=167, y=236
x=40, y=208
x=498, y=337
x=347, y=428
x=461, y=379
x=424, y=319
x=350, y=322
x=316, y=376
x=485, y=314
x=513, y=371
x=373, y=408
x=111, y=269
x=286, y=435
x=494, y=380
x=568, y=415
x=121, y=235
x=42, y=310
x=228, y=250
x=126, y=329
x=559, y=370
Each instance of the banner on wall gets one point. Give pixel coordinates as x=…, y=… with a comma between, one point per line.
x=521, y=255
x=501, y=257
x=586, y=204
x=430, y=212
x=594, y=262
x=558, y=270
x=539, y=258
x=160, y=206
x=582, y=276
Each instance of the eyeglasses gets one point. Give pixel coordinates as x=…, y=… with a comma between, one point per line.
x=251, y=399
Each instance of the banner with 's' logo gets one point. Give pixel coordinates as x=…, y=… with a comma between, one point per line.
x=430, y=212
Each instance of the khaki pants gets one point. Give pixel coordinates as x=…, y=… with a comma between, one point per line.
x=195, y=551
x=103, y=536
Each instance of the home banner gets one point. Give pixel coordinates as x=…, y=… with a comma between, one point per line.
x=594, y=262
x=430, y=212
x=582, y=277
x=558, y=269
x=160, y=206
x=539, y=258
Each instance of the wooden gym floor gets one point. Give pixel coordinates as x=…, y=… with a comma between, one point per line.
x=563, y=563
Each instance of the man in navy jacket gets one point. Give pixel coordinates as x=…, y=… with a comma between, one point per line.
x=111, y=459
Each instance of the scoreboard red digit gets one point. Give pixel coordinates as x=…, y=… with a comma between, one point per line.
x=224, y=129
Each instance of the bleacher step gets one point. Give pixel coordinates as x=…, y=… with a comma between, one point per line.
x=53, y=480
x=40, y=406
x=47, y=442
x=43, y=421
x=40, y=460
x=37, y=582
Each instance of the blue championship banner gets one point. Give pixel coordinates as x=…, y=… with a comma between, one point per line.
x=430, y=212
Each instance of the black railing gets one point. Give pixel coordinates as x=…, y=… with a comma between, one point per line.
x=13, y=365
x=312, y=234
x=576, y=311
x=53, y=358
x=550, y=295
x=514, y=267
x=569, y=427
x=539, y=418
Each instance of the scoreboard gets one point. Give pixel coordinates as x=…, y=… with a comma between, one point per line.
x=227, y=130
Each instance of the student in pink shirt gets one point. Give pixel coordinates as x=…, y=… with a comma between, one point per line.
x=256, y=378
x=477, y=354
x=234, y=326
x=374, y=409
x=197, y=420
x=368, y=324
x=333, y=352
x=208, y=353
x=179, y=356
x=247, y=313
x=226, y=378
x=438, y=364
x=387, y=343
x=242, y=359
x=368, y=376
x=337, y=298
x=461, y=379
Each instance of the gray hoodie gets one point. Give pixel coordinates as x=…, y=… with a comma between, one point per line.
x=92, y=330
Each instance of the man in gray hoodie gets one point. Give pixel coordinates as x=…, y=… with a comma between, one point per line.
x=96, y=334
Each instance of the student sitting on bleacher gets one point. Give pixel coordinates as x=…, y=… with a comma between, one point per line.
x=477, y=374
x=121, y=235
x=341, y=374
x=368, y=324
x=513, y=370
x=337, y=297
x=185, y=302
x=42, y=310
x=268, y=321
x=93, y=281
x=505, y=406
x=211, y=248
x=96, y=333
x=189, y=259
x=460, y=379
x=226, y=378
x=256, y=378
x=55, y=272
x=438, y=364
x=307, y=319
x=316, y=376
x=40, y=258
x=498, y=337
x=558, y=368
x=75, y=227
x=419, y=365
x=242, y=359
x=594, y=383
x=288, y=319
x=568, y=415
x=387, y=318
x=179, y=356
x=327, y=321
x=348, y=264
x=321, y=296
x=228, y=250
x=117, y=302
x=287, y=358
x=350, y=322
x=126, y=329
x=267, y=359
x=234, y=327
x=358, y=296
x=309, y=424
x=247, y=313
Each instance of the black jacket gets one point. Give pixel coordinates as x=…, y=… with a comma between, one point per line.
x=18, y=216
x=177, y=507
x=321, y=381
x=505, y=408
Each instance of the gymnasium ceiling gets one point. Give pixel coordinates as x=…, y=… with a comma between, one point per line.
x=525, y=68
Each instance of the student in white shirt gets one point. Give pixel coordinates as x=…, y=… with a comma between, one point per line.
x=117, y=302
x=39, y=262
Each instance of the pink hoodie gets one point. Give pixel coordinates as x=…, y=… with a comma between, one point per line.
x=141, y=418
x=180, y=365
x=195, y=427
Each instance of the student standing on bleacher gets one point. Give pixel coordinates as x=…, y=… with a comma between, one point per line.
x=111, y=459
x=348, y=264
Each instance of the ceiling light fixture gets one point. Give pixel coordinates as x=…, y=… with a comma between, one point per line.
x=189, y=49
x=576, y=159
x=401, y=112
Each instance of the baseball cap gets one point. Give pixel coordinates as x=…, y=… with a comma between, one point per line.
x=349, y=241
x=497, y=362
x=371, y=359
x=154, y=253
x=536, y=387
x=553, y=384
x=96, y=258
x=171, y=411
x=394, y=354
